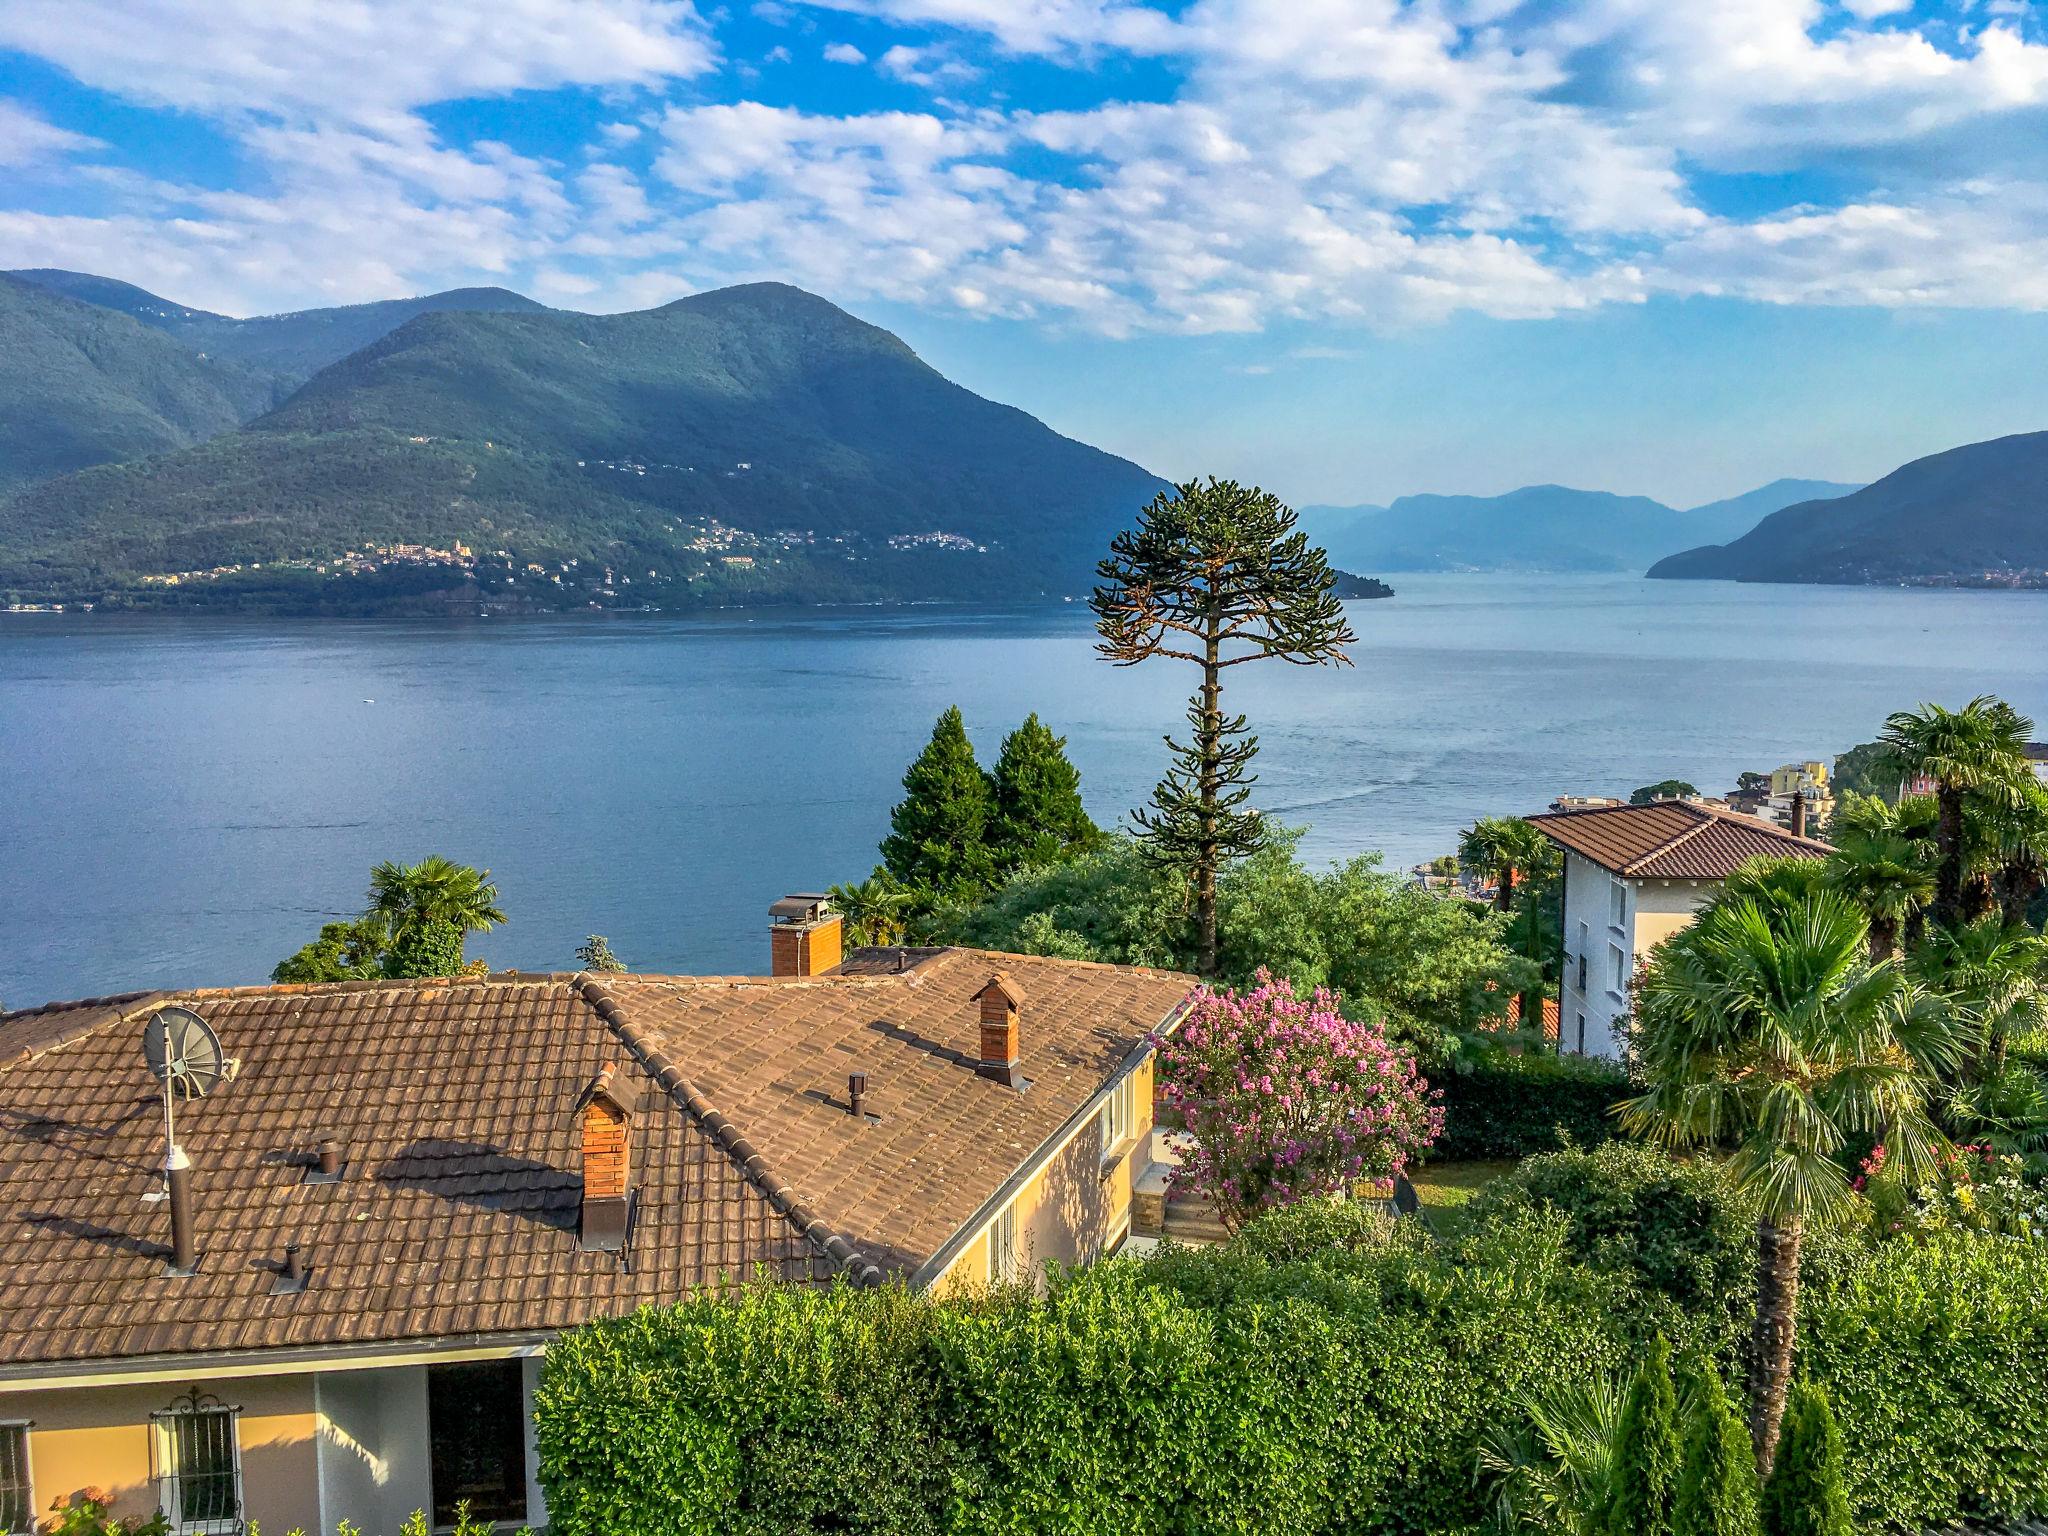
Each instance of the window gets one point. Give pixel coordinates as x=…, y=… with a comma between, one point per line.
x=476, y=1439
x=17, y=1488
x=1582, y=1034
x=1002, y=1247
x=1617, y=969
x=197, y=1458
x=1119, y=1115
x=1617, y=903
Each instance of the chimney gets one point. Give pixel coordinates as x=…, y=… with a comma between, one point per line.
x=604, y=1113
x=805, y=936
x=1799, y=813
x=857, y=1094
x=1001, y=1001
x=178, y=1183
x=292, y=1275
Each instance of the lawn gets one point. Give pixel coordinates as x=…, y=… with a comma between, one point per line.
x=1446, y=1186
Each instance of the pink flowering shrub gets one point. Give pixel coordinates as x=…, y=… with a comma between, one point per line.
x=1287, y=1099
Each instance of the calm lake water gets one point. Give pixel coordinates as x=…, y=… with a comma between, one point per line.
x=184, y=801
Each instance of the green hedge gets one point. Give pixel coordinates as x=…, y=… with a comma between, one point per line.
x=1329, y=1374
x=1515, y=1106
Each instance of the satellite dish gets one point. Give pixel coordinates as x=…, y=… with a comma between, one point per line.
x=184, y=1054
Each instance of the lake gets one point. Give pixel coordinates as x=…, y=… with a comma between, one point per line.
x=187, y=800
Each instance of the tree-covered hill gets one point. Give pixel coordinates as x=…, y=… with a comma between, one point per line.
x=752, y=442
x=1973, y=514
x=82, y=384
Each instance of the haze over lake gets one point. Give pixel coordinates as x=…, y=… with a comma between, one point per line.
x=187, y=800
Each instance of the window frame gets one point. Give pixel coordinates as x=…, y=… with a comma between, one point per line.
x=1002, y=1246
x=1617, y=965
x=28, y=1473
x=167, y=1476
x=515, y=1367
x=1117, y=1120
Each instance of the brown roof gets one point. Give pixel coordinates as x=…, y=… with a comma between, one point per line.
x=458, y=1212
x=1672, y=839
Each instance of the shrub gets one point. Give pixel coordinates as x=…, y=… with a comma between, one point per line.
x=1513, y=1106
x=1647, y=1453
x=1716, y=1494
x=1804, y=1495
x=1285, y=1099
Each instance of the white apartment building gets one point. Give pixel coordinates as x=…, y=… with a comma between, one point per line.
x=1633, y=876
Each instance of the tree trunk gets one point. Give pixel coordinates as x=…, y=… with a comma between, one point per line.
x=1777, y=1321
x=2016, y=886
x=1916, y=927
x=1948, y=873
x=1504, y=890
x=1884, y=938
x=1978, y=897
x=1211, y=743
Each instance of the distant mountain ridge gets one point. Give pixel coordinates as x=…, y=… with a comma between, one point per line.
x=1540, y=528
x=1972, y=515
x=748, y=444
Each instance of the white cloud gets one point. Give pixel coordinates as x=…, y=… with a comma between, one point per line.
x=365, y=56
x=844, y=53
x=926, y=67
x=26, y=139
x=1870, y=10
x=1031, y=26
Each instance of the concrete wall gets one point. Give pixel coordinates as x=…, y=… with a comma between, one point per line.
x=98, y=1437
x=373, y=1447
x=1589, y=929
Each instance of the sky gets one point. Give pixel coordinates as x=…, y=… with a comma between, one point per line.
x=1348, y=249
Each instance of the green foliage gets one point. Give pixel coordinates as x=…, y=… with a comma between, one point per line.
x=875, y=910
x=345, y=951
x=1865, y=770
x=1716, y=1493
x=418, y=918
x=1039, y=818
x=1646, y=1455
x=1497, y=1104
x=938, y=840
x=85, y=1514
x=1553, y=1467
x=1432, y=969
x=595, y=954
x=1805, y=1494
x=1663, y=789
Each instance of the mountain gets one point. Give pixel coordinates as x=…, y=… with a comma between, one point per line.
x=1717, y=522
x=82, y=384
x=1538, y=528
x=1976, y=514
x=748, y=444
x=292, y=347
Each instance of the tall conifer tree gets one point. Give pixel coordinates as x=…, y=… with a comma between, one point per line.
x=1214, y=574
x=938, y=838
x=1039, y=818
x=1806, y=1495
x=1647, y=1458
x=1716, y=1493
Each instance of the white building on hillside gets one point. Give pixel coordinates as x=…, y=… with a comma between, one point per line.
x=1633, y=876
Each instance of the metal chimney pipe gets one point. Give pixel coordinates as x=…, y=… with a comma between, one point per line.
x=178, y=1180
x=330, y=1158
x=294, y=1264
x=857, y=1094
x=1799, y=813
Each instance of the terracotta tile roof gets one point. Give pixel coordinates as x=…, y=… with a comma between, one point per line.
x=458, y=1212
x=1672, y=839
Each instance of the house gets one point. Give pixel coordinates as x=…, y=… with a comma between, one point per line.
x=1633, y=876
x=407, y=1188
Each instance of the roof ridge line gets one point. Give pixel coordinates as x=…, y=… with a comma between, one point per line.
x=1674, y=841
x=781, y=1198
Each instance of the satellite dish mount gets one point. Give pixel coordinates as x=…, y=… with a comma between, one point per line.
x=185, y=1058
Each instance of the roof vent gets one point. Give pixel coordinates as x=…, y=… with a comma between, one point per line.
x=292, y=1275
x=1002, y=1004
x=605, y=1114
x=328, y=1164
x=857, y=1095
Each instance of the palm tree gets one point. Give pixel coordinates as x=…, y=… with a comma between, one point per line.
x=1766, y=1027
x=1505, y=848
x=1887, y=875
x=2021, y=832
x=1990, y=975
x=415, y=900
x=874, y=909
x=1553, y=1470
x=1980, y=747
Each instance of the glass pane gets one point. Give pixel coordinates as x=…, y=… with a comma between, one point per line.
x=15, y=1511
x=203, y=1453
x=476, y=1428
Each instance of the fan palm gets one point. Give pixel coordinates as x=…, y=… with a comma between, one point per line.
x=1888, y=875
x=1553, y=1470
x=434, y=893
x=1979, y=748
x=875, y=909
x=2020, y=830
x=1766, y=1027
x=1991, y=976
x=1506, y=848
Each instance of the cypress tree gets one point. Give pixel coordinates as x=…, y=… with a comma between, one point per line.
x=1039, y=816
x=1805, y=1495
x=1716, y=1494
x=938, y=839
x=1647, y=1458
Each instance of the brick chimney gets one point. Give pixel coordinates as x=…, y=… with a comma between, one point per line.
x=805, y=936
x=1002, y=1001
x=604, y=1114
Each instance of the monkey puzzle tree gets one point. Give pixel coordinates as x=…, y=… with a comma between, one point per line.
x=1215, y=574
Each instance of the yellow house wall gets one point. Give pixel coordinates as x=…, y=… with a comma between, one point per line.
x=1069, y=1212
x=98, y=1437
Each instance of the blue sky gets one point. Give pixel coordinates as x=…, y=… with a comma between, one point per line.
x=1347, y=248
